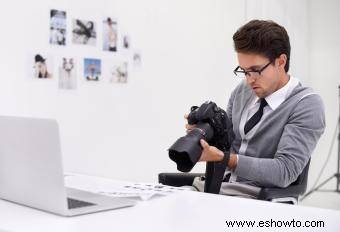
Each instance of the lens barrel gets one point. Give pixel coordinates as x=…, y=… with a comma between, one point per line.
x=187, y=150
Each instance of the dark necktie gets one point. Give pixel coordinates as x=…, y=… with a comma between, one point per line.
x=256, y=117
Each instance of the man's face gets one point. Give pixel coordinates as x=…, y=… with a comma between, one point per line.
x=271, y=78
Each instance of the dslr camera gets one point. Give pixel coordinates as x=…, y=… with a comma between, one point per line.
x=212, y=125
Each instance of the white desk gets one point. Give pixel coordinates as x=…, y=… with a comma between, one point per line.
x=185, y=211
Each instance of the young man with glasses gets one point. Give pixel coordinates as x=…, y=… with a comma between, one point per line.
x=277, y=122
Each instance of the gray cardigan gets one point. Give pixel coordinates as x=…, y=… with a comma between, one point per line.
x=282, y=144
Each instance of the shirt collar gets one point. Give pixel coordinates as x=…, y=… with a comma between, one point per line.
x=275, y=99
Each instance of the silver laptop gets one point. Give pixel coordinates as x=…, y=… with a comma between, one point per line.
x=31, y=170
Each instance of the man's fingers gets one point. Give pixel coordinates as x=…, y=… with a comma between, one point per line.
x=204, y=144
x=189, y=127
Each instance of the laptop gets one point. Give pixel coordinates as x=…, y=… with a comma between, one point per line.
x=31, y=171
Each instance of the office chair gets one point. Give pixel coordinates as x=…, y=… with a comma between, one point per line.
x=288, y=195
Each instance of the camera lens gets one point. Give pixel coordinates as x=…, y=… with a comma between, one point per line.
x=187, y=150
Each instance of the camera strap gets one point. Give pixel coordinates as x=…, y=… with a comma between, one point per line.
x=214, y=173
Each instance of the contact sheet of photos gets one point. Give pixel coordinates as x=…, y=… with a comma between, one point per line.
x=85, y=33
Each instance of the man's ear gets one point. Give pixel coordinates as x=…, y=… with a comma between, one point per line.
x=281, y=61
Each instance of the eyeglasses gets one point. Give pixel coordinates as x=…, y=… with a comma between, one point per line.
x=254, y=73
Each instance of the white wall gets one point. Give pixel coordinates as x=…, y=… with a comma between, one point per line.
x=324, y=37
x=123, y=131
x=325, y=49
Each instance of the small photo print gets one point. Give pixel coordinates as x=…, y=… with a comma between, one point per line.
x=119, y=73
x=126, y=42
x=137, y=59
x=42, y=67
x=67, y=73
x=92, y=69
x=84, y=32
x=110, y=34
x=58, y=27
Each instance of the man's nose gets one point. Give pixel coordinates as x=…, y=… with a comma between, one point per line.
x=251, y=78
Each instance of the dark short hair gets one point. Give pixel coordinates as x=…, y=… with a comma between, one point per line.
x=263, y=37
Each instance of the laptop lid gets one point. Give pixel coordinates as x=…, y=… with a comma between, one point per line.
x=31, y=170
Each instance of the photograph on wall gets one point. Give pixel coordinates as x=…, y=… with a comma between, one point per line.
x=136, y=60
x=110, y=35
x=67, y=73
x=119, y=72
x=84, y=32
x=126, y=42
x=58, y=27
x=42, y=66
x=92, y=69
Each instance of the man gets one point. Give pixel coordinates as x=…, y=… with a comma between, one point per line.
x=277, y=122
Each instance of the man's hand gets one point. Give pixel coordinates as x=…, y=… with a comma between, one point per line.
x=210, y=153
x=188, y=127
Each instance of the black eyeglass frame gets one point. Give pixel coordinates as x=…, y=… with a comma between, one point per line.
x=248, y=73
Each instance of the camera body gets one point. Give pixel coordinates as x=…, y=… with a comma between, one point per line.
x=212, y=125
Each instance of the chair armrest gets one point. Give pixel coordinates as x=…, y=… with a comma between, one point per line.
x=269, y=194
x=177, y=179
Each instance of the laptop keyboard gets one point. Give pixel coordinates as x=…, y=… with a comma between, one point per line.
x=73, y=203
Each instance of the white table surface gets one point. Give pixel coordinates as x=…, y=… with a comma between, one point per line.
x=184, y=211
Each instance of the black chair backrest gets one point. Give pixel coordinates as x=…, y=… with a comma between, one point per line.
x=296, y=189
x=302, y=179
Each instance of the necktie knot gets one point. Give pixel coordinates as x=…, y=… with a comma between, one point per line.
x=263, y=103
